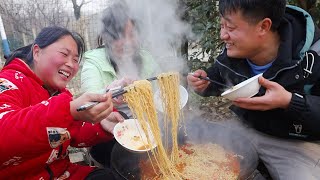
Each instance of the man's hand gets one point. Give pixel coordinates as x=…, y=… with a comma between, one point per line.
x=197, y=84
x=276, y=97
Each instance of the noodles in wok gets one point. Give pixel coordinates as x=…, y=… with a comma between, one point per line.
x=189, y=162
x=198, y=162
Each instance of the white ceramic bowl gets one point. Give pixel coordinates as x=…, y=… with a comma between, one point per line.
x=245, y=89
x=183, y=98
x=131, y=136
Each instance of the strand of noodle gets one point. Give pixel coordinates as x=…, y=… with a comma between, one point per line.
x=206, y=162
x=133, y=100
x=169, y=90
x=140, y=100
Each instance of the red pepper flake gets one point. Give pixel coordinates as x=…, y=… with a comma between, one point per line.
x=119, y=133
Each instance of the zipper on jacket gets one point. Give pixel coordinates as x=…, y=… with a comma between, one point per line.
x=283, y=69
x=60, y=151
x=50, y=172
x=276, y=74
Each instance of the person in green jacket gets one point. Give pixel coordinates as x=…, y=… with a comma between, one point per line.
x=118, y=61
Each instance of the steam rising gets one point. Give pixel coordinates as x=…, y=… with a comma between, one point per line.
x=161, y=28
x=160, y=31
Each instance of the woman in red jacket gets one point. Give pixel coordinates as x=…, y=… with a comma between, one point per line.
x=38, y=117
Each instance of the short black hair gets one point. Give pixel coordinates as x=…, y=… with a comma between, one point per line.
x=20, y=53
x=46, y=37
x=49, y=35
x=255, y=10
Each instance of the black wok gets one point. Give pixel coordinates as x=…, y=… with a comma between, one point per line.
x=126, y=163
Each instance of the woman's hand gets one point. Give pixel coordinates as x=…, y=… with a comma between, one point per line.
x=125, y=81
x=197, y=84
x=122, y=83
x=276, y=97
x=94, y=114
x=109, y=123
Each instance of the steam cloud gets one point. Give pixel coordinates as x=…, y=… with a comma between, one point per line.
x=161, y=31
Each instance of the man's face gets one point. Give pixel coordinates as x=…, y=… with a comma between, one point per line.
x=241, y=38
x=57, y=63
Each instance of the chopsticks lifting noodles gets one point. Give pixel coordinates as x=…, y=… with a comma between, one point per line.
x=208, y=79
x=91, y=104
x=118, y=91
x=200, y=77
x=152, y=78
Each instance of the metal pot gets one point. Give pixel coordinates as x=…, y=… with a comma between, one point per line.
x=126, y=163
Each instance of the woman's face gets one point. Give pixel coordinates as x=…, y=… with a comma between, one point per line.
x=57, y=63
x=126, y=45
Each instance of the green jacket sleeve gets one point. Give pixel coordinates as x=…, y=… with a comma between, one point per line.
x=150, y=67
x=96, y=73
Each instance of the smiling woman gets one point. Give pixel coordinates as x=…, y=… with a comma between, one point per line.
x=35, y=104
x=57, y=64
x=51, y=60
x=48, y=55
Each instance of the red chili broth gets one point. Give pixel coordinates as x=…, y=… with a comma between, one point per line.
x=147, y=171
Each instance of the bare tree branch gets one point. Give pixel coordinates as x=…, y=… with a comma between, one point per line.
x=22, y=18
x=77, y=8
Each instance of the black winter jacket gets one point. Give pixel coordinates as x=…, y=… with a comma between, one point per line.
x=302, y=118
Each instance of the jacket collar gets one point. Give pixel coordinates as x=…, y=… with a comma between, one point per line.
x=20, y=66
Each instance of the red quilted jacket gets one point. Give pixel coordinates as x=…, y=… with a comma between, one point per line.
x=36, y=129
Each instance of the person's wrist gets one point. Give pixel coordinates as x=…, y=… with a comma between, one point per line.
x=73, y=111
x=287, y=100
x=297, y=102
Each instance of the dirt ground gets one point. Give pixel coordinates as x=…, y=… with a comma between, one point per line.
x=211, y=108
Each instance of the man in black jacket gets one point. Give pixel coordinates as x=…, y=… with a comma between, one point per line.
x=266, y=36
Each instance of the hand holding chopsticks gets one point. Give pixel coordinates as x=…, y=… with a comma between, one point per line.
x=208, y=79
x=118, y=91
x=200, y=77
